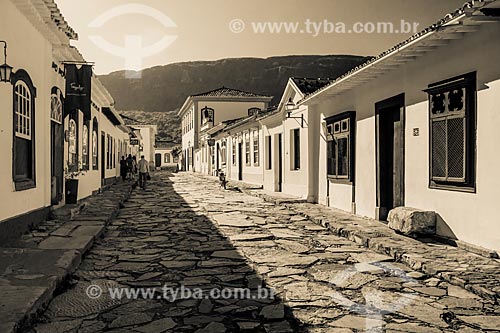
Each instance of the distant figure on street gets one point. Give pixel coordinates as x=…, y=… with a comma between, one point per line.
x=123, y=168
x=143, y=172
x=130, y=163
x=134, y=167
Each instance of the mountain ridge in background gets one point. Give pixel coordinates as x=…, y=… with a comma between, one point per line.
x=163, y=89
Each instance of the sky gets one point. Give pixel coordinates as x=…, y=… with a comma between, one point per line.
x=121, y=34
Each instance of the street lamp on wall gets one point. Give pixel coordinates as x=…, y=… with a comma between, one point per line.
x=5, y=70
x=289, y=108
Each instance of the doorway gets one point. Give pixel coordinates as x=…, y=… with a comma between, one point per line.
x=158, y=160
x=57, y=163
x=280, y=162
x=240, y=161
x=103, y=157
x=390, y=132
x=217, y=156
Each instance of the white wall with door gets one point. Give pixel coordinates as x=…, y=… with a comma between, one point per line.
x=466, y=212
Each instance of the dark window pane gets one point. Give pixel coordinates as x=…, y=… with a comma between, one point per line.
x=456, y=100
x=437, y=104
x=269, y=153
x=23, y=159
x=343, y=156
x=296, y=146
x=332, y=158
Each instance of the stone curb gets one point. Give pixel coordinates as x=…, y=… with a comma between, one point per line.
x=384, y=242
x=71, y=259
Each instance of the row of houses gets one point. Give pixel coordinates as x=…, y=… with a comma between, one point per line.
x=57, y=120
x=416, y=126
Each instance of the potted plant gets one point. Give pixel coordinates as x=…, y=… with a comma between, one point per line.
x=71, y=174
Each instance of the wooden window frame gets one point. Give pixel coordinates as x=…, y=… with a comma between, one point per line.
x=85, y=150
x=95, y=149
x=233, y=152
x=350, y=118
x=73, y=166
x=295, y=138
x=24, y=183
x=253, y=111
x=256, y=149
x=469, y=83
x=248, y=153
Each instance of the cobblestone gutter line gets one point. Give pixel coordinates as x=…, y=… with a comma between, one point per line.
x=34, y=267
x=475, y=273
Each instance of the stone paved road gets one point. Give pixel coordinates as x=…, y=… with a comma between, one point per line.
x=188, y=233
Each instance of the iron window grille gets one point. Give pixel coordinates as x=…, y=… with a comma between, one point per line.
x=56, y=109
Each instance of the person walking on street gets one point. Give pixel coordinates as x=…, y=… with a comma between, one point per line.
x=143, y=167
x=130, y=163
x=123, y=168
x=134, y=168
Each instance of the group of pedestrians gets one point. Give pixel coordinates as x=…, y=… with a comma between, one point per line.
x=129, y=168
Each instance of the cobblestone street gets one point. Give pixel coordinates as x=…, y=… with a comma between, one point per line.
x=186, y=232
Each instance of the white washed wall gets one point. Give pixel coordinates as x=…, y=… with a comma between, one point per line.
x=23, y=40
x=469, y=217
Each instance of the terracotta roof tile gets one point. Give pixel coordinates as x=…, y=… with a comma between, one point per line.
x=228, y=92
x=468, y=6
x=59, y=21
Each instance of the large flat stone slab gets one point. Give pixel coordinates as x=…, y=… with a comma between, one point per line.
x=79, y=238
x=411, y=221
x=235, y=219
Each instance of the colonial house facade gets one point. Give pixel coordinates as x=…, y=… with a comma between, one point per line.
x=147, y=147
x=202, y=111
x=41, y=141
x=165, y=156
x=415, y=126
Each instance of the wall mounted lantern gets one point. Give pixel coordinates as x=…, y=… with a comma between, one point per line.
x=5, y=70
x=289, y=107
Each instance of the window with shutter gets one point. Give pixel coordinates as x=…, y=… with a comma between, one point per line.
x=340, y=146
x=452, y=113
x=24, y=93
x=256, y=149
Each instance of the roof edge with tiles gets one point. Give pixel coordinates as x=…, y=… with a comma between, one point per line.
x=462, y=11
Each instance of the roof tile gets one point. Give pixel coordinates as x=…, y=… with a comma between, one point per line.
x=228, y=92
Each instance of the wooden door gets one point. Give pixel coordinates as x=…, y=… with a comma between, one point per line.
x=390, y=129
x=57, y=162
x=103, y=157
x=240, y=161
x=280, y=162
